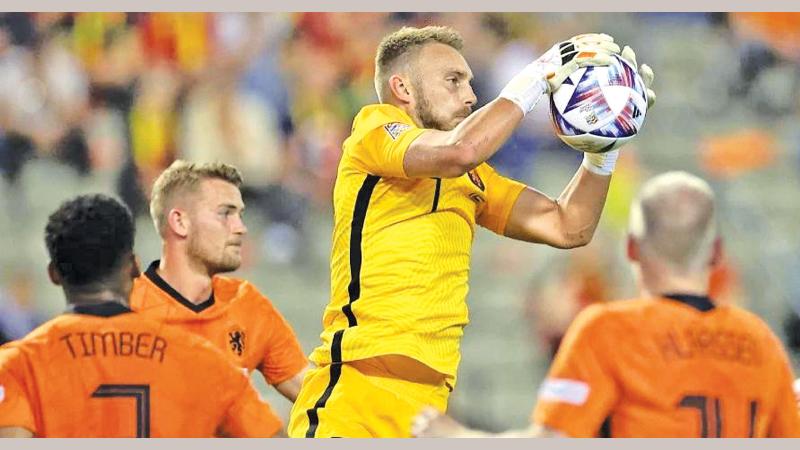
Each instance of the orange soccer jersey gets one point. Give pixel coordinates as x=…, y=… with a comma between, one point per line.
x=669, y=367
x=237, y=319
x=103, y=371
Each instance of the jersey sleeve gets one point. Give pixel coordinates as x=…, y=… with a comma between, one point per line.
x=16, y=409
x=380, y=140
x=580, y=389
x=248, y=416
x=785, y=420
x=283, y=355
x=501, y=194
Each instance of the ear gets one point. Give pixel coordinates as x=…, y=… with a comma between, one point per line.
x=717, y=252
x=136, y=268
x=400, y=89
x=178, y=222
x=52, y=272
x=632, y=249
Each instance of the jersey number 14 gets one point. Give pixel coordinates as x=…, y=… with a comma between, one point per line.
x=708, y=406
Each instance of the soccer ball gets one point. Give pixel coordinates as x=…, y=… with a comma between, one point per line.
x=599, y=108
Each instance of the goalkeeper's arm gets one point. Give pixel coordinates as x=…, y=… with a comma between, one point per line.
x=450, y=154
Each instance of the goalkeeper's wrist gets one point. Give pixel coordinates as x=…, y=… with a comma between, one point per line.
x=525, y=89
x=600, y=163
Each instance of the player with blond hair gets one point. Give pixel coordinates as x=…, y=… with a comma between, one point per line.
x=671, y=363
x=197, y=210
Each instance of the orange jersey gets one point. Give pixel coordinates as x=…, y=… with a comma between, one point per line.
x=237, y=319
x=103, y=371
x=669, y=367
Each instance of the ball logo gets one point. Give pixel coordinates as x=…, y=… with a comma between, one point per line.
x=602, y=110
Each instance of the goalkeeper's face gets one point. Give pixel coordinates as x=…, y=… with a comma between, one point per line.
x=217, y=229
x=441, y=87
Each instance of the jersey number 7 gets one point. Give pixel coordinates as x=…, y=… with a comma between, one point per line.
x=141, y=392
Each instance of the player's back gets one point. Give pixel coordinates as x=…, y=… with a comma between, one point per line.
x=684, y=368
x=112, y=373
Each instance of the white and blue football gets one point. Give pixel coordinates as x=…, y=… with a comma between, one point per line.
x=599, y=108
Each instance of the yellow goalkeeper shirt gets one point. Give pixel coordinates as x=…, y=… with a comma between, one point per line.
x=401, y=248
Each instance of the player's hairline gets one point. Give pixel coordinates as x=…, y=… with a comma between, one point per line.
x=666, y=184
x=182, y=179
x=427, y=35
x=662, y=184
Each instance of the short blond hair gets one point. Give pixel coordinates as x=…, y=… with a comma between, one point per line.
x=183, y=177
x=396, y=46
x=674, y=218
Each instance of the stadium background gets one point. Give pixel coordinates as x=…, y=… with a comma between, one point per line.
x=104, y=101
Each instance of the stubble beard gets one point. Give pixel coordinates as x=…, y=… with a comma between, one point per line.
x=214, y=264
x=424, y=111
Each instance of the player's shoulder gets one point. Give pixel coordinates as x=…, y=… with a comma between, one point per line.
x=50, y=328
x=40, y=336
x=748, y=320
x=239, y=291
x=616, y=309
x=595, y=317
x=615, y=313
x=393, y=119
x=380, y=113
x=146, y=294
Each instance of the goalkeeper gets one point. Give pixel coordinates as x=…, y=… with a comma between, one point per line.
x=412, y=185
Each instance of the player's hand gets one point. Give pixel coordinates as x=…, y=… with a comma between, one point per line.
x=579, y=51
x=644, y=71
x=547, y=73
x=430, y=423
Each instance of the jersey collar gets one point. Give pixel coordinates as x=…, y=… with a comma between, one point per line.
x=154, y=277
x=700, y=302
x=104, y=309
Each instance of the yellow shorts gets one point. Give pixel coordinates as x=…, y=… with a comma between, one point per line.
x=361, y=400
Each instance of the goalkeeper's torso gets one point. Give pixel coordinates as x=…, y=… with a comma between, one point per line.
x=400, y=257
x=401, y=247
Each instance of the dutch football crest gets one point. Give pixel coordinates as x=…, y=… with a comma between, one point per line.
x=236, y=341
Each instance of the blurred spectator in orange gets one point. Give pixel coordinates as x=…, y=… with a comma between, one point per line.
x=736, y=153
x=779, y=30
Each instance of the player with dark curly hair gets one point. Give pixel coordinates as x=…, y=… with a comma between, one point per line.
x=100, y=370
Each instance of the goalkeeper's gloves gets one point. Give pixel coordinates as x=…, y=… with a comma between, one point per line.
x=547, y=73
x=603, y=163
x=644, y=71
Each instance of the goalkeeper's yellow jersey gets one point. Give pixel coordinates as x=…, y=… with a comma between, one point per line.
x=401, y=248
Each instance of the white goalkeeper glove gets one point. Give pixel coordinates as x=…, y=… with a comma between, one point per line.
x=547, y=73
x=604, y=163
x=644, y=71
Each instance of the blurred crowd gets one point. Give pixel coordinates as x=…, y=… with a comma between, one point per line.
x=122, y=95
